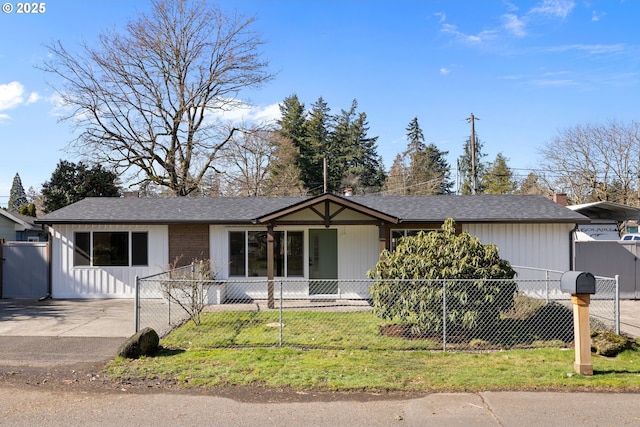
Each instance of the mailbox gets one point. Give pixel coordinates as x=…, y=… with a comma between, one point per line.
x=578, y=282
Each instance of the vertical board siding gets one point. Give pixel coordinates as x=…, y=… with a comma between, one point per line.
x=357, y=251
x=529, y=245
x=102, y=282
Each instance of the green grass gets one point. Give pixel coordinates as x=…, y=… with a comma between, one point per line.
x=307, y=329
x=191, y=357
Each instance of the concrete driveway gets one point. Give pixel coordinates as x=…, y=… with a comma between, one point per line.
x=63, y=332
x=67, y=318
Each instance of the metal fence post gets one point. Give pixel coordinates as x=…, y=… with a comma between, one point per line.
x=617, y=305
x=546, y=285
x=444, y=316
x=136, y=315
x=281, y=303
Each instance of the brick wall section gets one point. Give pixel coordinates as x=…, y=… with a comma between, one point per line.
x=188, y=242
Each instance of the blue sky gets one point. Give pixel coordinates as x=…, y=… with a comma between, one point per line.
x=526, y=69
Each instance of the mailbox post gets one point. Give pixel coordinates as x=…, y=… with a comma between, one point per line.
x=581, y=286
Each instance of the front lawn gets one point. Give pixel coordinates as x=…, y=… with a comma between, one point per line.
x=349, y=354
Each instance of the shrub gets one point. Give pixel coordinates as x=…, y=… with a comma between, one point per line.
x=409, y=282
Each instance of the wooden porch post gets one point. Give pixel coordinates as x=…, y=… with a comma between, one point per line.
x=382, y=237
x=270, y=258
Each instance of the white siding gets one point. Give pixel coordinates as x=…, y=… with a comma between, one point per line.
x=544, y=246
x=102, y=282
x=357, y=254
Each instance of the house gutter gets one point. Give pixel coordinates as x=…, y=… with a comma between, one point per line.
x=572, y=261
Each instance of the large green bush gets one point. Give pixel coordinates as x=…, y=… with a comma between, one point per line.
x=410, y=282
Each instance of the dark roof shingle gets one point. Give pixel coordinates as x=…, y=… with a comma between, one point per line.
x=243, y=210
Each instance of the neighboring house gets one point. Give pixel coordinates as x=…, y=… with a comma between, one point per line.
x=15, y=227
x=99, y=245
x=606, y=218
x=599, y=250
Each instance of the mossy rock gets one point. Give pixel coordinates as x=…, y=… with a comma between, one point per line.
x=143, y=343
x=609, y=344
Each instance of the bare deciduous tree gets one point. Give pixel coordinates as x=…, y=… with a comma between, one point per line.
x=596, y=162
x=145, y=100
x=247, y=162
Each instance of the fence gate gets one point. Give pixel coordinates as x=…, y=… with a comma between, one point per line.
x=24, y=270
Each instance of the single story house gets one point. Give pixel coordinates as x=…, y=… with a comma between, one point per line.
x=100, y=245
x=15, y=227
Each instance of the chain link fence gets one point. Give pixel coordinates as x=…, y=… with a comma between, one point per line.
x=450, y=315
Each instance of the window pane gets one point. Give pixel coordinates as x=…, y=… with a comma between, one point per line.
x=278, y=253
x=139, y=248
x=295, y=254
x=236, y=253
x=81, y=245
x=111, y=248
x=396, y=235
x=257, y=253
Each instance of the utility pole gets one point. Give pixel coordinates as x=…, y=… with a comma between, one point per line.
x=324, y=174
x=474, y=173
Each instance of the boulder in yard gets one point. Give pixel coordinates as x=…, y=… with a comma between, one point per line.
x=143, y=343
x=609, y=344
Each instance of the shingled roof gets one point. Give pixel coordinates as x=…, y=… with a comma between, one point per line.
x=245, y=210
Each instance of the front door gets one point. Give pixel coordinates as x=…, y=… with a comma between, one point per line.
x=323, y=261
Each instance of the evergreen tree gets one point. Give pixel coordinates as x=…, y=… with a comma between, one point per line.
x=424, y=167
x=498, y=177
x=315, y=147
x=465, y=167
x=284, y=173
x=351, y=154
x=17, y=195
x=365, y=168
x=72, y=182
x=353, y=158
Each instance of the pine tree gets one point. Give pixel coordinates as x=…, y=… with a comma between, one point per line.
x=425, y=168
x=498, y=177
x=284, y=173
x=17, y=195
x=466, y=170
x=315, y=147
x=365, y=169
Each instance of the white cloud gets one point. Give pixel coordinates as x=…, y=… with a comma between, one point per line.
x=595, y=17
x=245, y=113
x=444, y=71
x=441, y=16
x=593, y=49
x=11, y=95
x=481, y=37
x=510, y=6
x=33, y=97
x=557, y=8
x=268, y=113
x=514, y=25
x=554, y=82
